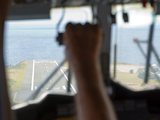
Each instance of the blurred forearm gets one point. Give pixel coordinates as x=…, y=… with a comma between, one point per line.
x=83, y=44
x=92, y=101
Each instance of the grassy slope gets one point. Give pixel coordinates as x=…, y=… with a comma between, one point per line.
x=131, y=80
x=14, y=103
x=15, y=75
x=66, y=64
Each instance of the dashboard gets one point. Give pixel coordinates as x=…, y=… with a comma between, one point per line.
x=128, y=105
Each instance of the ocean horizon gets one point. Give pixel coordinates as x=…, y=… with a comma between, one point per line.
x=38, y=42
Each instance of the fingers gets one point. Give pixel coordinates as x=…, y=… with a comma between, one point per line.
x=76, y=31
x=79, y=26
x=65, y=38
x=72, y=27
x=97, y=28
x=78, y=38
x=67, y=35
x=69, y=26
x=87, y=25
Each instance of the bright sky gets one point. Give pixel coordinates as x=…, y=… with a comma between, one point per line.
x=75, y=15
x=138, y=17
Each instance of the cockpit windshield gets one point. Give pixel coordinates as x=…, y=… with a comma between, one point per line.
x=32, y=53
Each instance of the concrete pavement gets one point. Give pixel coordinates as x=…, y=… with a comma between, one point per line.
x=37, y=71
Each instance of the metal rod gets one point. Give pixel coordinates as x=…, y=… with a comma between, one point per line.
x=94, y=13
x=155, y=53
x=139, y=46
x=143, y=41
x=115, y=59
x=56, y=81
x=69, y=80
x=62, y=16
x=35, y=93
x=153, y=50
x=149, y=51
x=115, y=52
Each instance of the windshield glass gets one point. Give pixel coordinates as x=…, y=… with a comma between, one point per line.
x=32, y=53
x=129, y=48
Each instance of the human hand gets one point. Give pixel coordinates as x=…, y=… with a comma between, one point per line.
x=82, y=42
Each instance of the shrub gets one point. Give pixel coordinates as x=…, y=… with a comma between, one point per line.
x=141, y=75
x=151, y=77
x=131, y=71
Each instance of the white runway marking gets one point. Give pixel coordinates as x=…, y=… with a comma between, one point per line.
x=64, y=74
x=15, y=96
x=64, y=87
x=56, y=63
x=32, y=83
x=66, y=77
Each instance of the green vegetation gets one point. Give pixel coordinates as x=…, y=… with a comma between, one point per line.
x=122, y=63
x=143, y=84
x=141, y=75
x=131, y=71
x=132, y=76
x=66, y=64
x=21, y=65
x=14, y=102
x=15, y=75
x=132, y=80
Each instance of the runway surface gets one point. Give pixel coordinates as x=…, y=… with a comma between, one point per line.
x=37, y=71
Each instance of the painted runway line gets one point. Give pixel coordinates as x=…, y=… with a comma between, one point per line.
x=66, y=77
x=14, y=99
x=32, y=83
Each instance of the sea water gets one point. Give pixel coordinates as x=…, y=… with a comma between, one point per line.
x=31, y=42
x=28, y=42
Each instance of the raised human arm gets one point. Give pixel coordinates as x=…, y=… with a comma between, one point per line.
x=82, y=51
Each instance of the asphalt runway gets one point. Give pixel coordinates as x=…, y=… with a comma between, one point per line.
x=37, y=71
